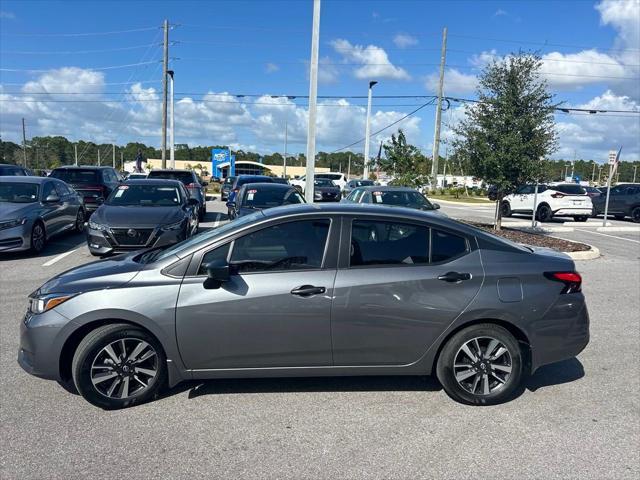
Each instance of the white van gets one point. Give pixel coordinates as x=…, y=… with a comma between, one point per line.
x=339, y=179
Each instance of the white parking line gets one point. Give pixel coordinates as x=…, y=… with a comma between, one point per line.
x=612, y=236
x=217, y=222
x=59, y=257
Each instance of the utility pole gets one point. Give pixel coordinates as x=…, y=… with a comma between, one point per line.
x=165, y=66
x=121, y=160
x=284, y=161
x=172, y=155
x=349, y=168
x=113, y=151
x=313, y=94
x=436, y=135
x=367, y=128
x=593, y=172
x=635, y=169
x=75, y=150
x=24, y=144
x=98, y=156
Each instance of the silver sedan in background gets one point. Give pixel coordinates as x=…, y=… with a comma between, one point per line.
x=33, y=209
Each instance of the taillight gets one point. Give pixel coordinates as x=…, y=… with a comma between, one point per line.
x=557, y=195
x=192, y=185
x=572, y=280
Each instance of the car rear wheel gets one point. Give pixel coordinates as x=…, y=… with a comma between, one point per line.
x=505, y=209
x=119, y=365
x=481, y=365
x=38, y=237
x=544, y=213
x=635, y=214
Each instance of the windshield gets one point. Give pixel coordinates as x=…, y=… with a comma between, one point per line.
x=76, y=175
x=184, y=177
x=267, y=198
x=330, y=176
x=145, y=196
x=14, y=192
x=204, y=237
x=405, y=199
x=363, y=183
x=323, y=182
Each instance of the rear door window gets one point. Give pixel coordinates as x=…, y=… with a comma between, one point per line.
x=388, y=243
x=446, y=246
x=570, y=189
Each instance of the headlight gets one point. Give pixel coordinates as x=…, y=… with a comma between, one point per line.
x=172, y=226
x=97, y=226
x=44, y=303
x=13, y=223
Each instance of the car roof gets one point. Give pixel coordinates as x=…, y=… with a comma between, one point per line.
x=28, y=179
x=11, y=165
x=82, y=167
x=153, y=181
x=388, y=188
x=268, y=186
x=169, y=170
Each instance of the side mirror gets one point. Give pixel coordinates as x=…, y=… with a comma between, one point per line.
x=193, y=202
x=217, y=274
x=435, y=205
x=231, y=205
x=53, y=198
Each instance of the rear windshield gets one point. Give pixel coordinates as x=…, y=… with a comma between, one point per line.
x=11, y=171
x=17, y=192
x=401, y=198
x=570, y=189
x=363, y=183
x=243, y=180
x=184, y=177
x=76, y=175
x=270, y=197
x=330, y=176
x=145, y=196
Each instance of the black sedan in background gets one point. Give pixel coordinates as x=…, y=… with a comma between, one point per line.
x=226, y=187
x=324, y=190
x=260, y=196
x=34, y=209
x=358, y=182
x=194, y=185
x=93, y=184
x=392, y=196
x=141, y=214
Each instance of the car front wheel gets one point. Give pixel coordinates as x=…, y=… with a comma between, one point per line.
x=481, y=365
x=119, y=365
x=38, y=237
x=544, y=213
x=635, y=214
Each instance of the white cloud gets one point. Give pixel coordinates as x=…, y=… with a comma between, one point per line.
x=271, y=67
x=500, y=13
x=327, y=72
x=374, y=61
x=455, y=82
x=403, y=40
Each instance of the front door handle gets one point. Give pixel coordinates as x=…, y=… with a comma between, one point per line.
x=454, y=277
x=308, y=290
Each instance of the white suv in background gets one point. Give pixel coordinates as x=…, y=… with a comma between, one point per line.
x=564, y=200
x=339, y=179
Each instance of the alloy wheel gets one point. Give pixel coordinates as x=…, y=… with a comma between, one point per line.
x=635, y=215
x=124, y=368
x=482, y=365
x=80, y=221
x=37, y=237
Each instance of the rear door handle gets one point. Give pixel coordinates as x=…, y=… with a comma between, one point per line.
x=308, y=290
x=454, y=277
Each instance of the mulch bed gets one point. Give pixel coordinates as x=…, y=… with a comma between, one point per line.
x=533, y=239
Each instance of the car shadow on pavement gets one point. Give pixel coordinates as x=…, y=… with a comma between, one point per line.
x=309, y=384
x=55, y=246
x=555, y=374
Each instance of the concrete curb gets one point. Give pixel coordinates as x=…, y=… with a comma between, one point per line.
x=539, y=229
x=586, y=255
x=462, y=204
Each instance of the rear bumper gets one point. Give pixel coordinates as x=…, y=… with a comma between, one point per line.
x=562, y=333
x=570, y=212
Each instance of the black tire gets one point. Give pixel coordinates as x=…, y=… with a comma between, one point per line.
x=90, y=349
x=505, y=209
x=79, y=225
x=201, y=213
x=581, y=218
x=544, y=213
x=635, y=215
x=498, y=392
x=38, y=237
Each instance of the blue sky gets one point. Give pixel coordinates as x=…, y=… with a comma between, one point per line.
x=591, y=52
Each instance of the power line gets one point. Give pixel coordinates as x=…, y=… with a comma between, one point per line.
x=84, y=34
x=20, y=84
x=557, y=109
x=74, y=52
x=112, y=67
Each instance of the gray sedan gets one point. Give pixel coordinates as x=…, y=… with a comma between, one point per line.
x=33, y=209
x=310, y=290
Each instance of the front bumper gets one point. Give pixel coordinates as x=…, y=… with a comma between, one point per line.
x=16, y=239
x=104, y=242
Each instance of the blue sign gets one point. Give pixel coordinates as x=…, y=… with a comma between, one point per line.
x=220, y=156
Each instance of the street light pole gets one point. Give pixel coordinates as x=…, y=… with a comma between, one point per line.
x=367, y=128
x=172, y=154
x=635, y=169
x=284, y=160
x=313, y=96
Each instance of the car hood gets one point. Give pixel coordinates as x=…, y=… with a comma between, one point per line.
x=247, y=211
x=122, y=217
x=327, y=189
x=9, y=211
x=111, y=273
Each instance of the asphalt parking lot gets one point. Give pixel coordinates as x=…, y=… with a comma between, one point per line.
x=579, y=418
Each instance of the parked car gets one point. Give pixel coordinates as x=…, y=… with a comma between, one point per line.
x=351, y=184
x=624, y=201
x=310, y=290
x=93, y=184
x=136, y=176
x=8, y=170
x=242, y=180
x=226, y=187
x=492, y=193
x=260, y=196
x=34, y=209
x=564, y=200
x=324, y=190
x=392, y=196
x=337, y=178
x=142, y=214
x=194, y=185
x=281, y=180
x=592, y=192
